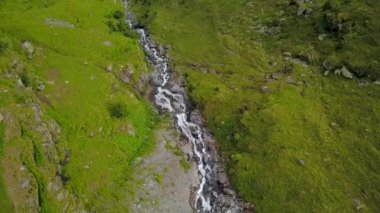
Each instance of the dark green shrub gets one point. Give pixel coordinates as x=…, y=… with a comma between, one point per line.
x=25, y=79
x=118, y=110
x=118, y=15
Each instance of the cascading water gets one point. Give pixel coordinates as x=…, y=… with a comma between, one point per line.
x=210, y=195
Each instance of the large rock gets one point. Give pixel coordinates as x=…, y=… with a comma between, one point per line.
x=346, y=73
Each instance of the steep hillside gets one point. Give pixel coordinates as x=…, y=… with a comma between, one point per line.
x=291, y=90
x=72, y=120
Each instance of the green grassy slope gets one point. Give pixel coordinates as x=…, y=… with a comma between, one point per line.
x=73, y=46
x=294, y=137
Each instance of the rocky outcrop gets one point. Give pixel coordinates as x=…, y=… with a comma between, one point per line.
x=32, y=163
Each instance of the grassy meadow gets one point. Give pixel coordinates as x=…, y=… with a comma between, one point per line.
x=295, y=136
x=79, y=60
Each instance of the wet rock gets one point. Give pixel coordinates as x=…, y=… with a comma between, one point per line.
x=264, y=89
x=177, y=89
x=229, y=191
x=223, y=179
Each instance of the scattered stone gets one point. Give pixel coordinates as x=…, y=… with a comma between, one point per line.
x=346, y=73
x=67, y=82
x=264, y=89
x=289, y=80
x=228, y=191
x=108, y=43
x=58, y=23
x=287, y=54
x=322, y=37
x=377, y=82
x=41, y=86
x=125, y=76
x=92, y=78
x=25, y=183
x=334, y=125
x=275, y=76
x=27, y=45
x=308, y=11
x=109, y=68
x=326, y=65
x=91, y=135
x=20, y=83
x=357, y=204
x=86, y=167
x=286, y=70
x=223, y=179
x=326, y=73
x=301, y=11
x=301, y=162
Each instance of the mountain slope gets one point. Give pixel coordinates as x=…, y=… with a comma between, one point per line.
x=72, y=117
x=291, y=91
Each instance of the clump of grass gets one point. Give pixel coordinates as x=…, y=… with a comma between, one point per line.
x=25, y=79
x=118, y=110
x=178, y=152
x=117, y=23
x=3, y=46
x=158, y=178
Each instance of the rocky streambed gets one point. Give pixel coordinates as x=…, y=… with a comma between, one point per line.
x=214, y=192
